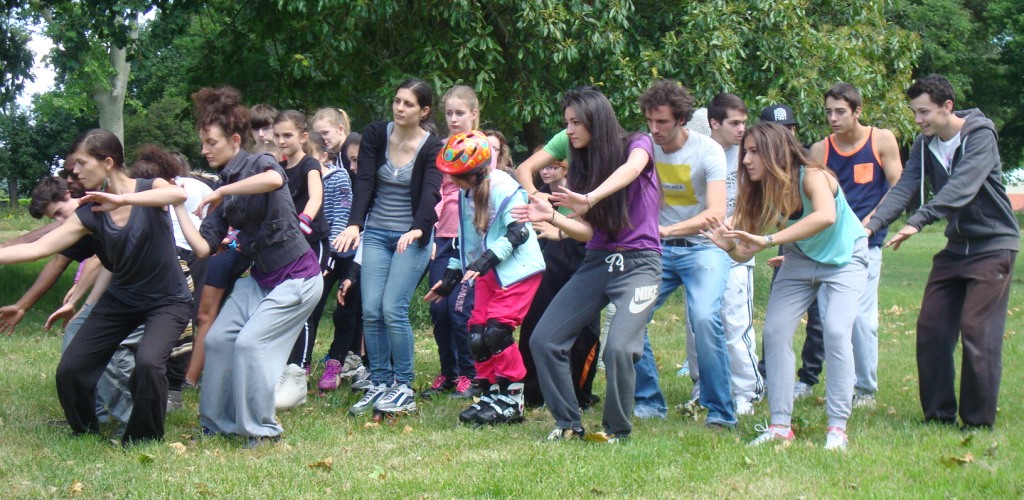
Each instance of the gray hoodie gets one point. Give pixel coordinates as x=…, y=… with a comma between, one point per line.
x=971, y=196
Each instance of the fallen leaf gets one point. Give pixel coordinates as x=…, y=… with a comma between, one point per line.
x=179, y=449
x=145, y=458
x=747, y=461
x=76, y=487
x=967, y=440
x=326, y=465
x=954, y=461
x=407, y=430
x=378, y=473
x=371, y=425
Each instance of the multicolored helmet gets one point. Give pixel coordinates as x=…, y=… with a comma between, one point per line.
x=464, y=153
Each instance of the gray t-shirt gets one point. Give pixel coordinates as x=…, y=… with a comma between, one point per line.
x=684, y=177
x=392, y=209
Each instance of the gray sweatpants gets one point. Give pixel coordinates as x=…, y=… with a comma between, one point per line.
x=796, y=285
x=630, y=281
x=246, y=350
x=113, y=399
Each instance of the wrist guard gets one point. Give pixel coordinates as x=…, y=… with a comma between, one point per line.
x=485, y=263
x=449, y=281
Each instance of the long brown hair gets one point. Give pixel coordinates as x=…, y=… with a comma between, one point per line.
x=767, y=203
x=480, y=179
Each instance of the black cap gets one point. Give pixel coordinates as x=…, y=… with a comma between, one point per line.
x=778, y=113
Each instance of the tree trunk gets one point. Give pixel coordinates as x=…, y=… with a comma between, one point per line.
x=12, y=190
x=110, y=98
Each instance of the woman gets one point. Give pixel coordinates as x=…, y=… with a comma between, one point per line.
x=780, y=188
x=252, y=336
x=618, y=216
x=396, y=189
x=128, y=219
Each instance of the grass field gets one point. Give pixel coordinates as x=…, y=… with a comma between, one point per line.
x=327, y=453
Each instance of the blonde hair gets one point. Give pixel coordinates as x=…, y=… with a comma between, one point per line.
x=466, y=94
x=767, y=203
x=334, y=116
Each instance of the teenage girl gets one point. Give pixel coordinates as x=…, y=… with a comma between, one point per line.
x=396, y=189
x=780, y=188
x=616, y=212
x=305, y=183
x=248, y=344
x=451, y=313
x=128, y=218
x=491, y=239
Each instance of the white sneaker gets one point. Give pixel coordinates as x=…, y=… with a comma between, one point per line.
x=361, y=380
x=365, y=404
x=351, y=364
x=743, y=407
x=835, y=439
x=399, y=399
x=802, y=390
x=864, y=401
x=772, y=433
x=291, y=388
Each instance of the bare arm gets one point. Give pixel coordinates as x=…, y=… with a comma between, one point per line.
x=529, y=168
x=33, y=235
x=715, y=198
x=820, y=190
x=162, y=194
x=892, y=164
x=623, y=176
x=315, y=187
x=11, y=315
x=540, y=210
x=60, y=238
x=195, y=240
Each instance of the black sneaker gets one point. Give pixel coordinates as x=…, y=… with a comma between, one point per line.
x=442, y=384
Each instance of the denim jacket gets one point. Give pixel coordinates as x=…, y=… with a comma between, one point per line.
x=267, y=223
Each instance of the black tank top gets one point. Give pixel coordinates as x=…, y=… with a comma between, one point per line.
x=141, y=255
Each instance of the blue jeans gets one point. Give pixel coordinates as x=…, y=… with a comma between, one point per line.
x=703, y=271
x=388, y=282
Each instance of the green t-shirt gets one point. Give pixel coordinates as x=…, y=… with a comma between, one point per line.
x=558, y=146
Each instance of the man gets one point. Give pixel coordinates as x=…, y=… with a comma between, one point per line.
x=727, y=115
x=692, y=171
x=867, y=162
x=968, y=290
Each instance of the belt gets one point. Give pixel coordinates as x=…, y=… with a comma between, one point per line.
x=679, y=242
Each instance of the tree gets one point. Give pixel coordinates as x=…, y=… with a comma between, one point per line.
x=20, y=155
x=16, y=58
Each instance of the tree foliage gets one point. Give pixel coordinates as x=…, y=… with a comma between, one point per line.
x=16, y=58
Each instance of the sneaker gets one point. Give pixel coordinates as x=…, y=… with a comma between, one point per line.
x=743, y=407
x=440, y=385
x=684, y=371
x=465, y=389
x=365, y=404
x=772, y=433
x=802, y=390
x=291, y=388
x=864, y=401
x=332, y=376
x=352, y=364
x=400, y=398
x=253, y=442
x=835, y=439
x=566, y=434
x=486, y=398
x=174, y=401
x=361, y=380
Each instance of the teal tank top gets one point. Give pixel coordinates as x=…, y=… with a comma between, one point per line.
x=834, y=245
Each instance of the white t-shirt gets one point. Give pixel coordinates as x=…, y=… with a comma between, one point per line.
x=196, y=190
x=944, y=150
x=684, y=177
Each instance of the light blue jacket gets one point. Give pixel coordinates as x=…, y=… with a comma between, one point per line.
x=516, y=265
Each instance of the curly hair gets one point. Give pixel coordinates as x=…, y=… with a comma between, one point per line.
x=668, y=93
x=152, y=162
x=221, y=107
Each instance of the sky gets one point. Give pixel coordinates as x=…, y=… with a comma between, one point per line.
x=44, y=74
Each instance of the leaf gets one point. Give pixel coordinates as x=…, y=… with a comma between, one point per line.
x=326, y=465
x=954, y=461
x=146, y=458
x=371, y=425
x=967, y=440
x=378, y=473
x=407, y=430
x=179, y=449
x=76, y=488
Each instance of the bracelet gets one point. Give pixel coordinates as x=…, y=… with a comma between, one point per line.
x=552, y=219
x=535, y=191
x=769, y=240
x=734, y=245
x=587, y=196
x=561, y=235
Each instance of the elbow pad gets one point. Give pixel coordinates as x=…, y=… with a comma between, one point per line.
x=449, y=281
x=517, y=234
x=485, y=263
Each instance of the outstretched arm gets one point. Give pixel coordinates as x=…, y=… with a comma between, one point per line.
x=11, y=315
x=63, y=237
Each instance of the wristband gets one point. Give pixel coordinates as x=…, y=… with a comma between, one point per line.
x=305, y=224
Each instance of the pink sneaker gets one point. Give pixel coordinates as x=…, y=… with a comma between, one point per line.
x=441, y=384
x=332, y=376
x=465, y=389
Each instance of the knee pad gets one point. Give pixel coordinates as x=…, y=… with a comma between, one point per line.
x=477, y=344
x=498, y=336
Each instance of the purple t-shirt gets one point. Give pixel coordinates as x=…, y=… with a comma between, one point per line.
x=304, y=267
x=644, y=202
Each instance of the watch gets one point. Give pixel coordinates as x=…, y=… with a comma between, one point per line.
x=769, y=240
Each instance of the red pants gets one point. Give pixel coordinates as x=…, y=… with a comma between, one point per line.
x=507, y=306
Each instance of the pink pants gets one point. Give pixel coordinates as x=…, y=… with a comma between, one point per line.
x=508, y=306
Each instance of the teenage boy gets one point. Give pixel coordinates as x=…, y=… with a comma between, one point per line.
x=867, y=163
x=968, y=290
x=692, y=171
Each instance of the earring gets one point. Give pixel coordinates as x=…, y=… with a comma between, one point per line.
x=106, y=182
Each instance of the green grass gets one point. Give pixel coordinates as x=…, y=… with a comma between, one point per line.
x=428, y=455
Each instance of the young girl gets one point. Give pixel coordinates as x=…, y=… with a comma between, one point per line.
x=249, y=342
x=307, y=190
x=128, y=219
x=450, y=314
x=396, y=189
x=502, y=158
x=491, y=239
x=826, y=248
x=618, y=215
